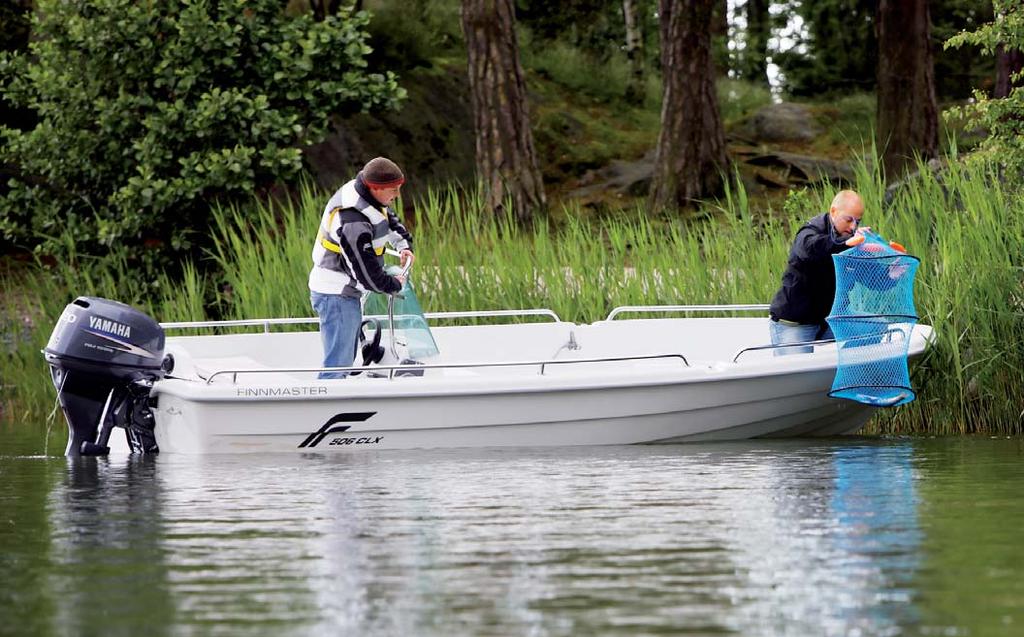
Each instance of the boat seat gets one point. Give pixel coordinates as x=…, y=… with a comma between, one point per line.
x=206, y=367
x=459, y=372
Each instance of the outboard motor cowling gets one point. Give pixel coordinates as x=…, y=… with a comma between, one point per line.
x=104, y=357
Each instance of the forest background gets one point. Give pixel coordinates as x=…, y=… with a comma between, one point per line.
x=149, y=149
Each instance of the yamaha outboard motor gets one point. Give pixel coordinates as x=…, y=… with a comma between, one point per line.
x=104, y=357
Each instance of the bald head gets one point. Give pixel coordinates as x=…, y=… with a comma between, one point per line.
x=846, y=211
x=846, y=199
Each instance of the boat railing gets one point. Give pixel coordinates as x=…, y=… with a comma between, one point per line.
x=884, y=336
x=394, y=369
x=661, y=309
x=757, y=348
x=268, y=322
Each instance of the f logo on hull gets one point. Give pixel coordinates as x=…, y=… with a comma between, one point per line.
x=332, y=426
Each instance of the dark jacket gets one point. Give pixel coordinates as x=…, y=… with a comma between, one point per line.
x=809, y=282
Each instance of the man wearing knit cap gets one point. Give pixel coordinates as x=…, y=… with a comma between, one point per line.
x=348, y=257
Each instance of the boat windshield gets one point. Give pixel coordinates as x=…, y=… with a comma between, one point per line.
x=410, y=324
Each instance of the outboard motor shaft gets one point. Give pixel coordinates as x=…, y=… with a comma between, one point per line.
x=104, y=357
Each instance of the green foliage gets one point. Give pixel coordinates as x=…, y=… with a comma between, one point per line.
x=799, y=202
x=601, y=78
x=407, y=34
x=1003, y=118
x=959, y=71
x=836, y=50
x=14, y=19
x=565, y=39
x=588, y=25
x=149, y=110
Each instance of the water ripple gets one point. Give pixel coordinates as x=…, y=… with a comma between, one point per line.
x=759, y=538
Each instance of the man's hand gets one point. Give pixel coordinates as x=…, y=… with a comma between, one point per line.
x=858, y=236
x=406, y=255
x=401, y=280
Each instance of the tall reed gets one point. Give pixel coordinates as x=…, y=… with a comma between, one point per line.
x=33, y=303
x=966, y=223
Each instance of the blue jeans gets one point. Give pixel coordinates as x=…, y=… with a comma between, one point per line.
x=340, y=317
x=783, y=334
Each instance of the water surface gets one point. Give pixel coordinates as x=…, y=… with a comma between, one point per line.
x=850, y=536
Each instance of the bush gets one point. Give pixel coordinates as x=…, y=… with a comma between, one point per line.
x=1003, y=118
x=414, y=33
x=149, y=110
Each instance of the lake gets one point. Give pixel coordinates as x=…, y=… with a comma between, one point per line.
x=845, y=536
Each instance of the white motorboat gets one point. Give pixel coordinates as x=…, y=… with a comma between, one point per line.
x=616, y=381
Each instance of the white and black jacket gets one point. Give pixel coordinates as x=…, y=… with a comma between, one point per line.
x=349, y=247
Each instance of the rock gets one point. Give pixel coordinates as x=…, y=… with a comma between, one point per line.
x=770, y=179
x=771, y=170
x=779, y=123
x=632, y=178
x=798, y=170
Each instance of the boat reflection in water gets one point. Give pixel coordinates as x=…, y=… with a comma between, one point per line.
x=833, y=542
x=751, y=537
x=107, y=534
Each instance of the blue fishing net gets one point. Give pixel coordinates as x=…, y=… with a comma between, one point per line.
x=872, y=318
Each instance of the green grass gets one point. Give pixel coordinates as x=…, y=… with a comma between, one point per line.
x=967, y=227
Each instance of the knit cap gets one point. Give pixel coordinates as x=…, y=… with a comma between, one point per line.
x=381, y=172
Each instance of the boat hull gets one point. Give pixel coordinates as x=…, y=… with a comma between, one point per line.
x=601, y=412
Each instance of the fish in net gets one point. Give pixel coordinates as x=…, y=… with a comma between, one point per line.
x=873, y=317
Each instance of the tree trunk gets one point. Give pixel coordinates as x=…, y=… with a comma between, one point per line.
x=690, y=157
x=1008, y=63
x=635, y=89
x=908, y=115
x=506, y=159
x=720, y=37
x=720, y=19
x=323, y=8
x=756, y=50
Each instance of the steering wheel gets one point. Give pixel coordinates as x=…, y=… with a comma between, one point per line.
x=371, y=349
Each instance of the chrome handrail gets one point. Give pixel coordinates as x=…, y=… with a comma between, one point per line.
x=490, y=313
x=889, y=332
x=780, y=346
x=266, y=323
x=393, y=368
x=686, y=308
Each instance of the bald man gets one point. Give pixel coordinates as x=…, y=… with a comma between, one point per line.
x=799, y=308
